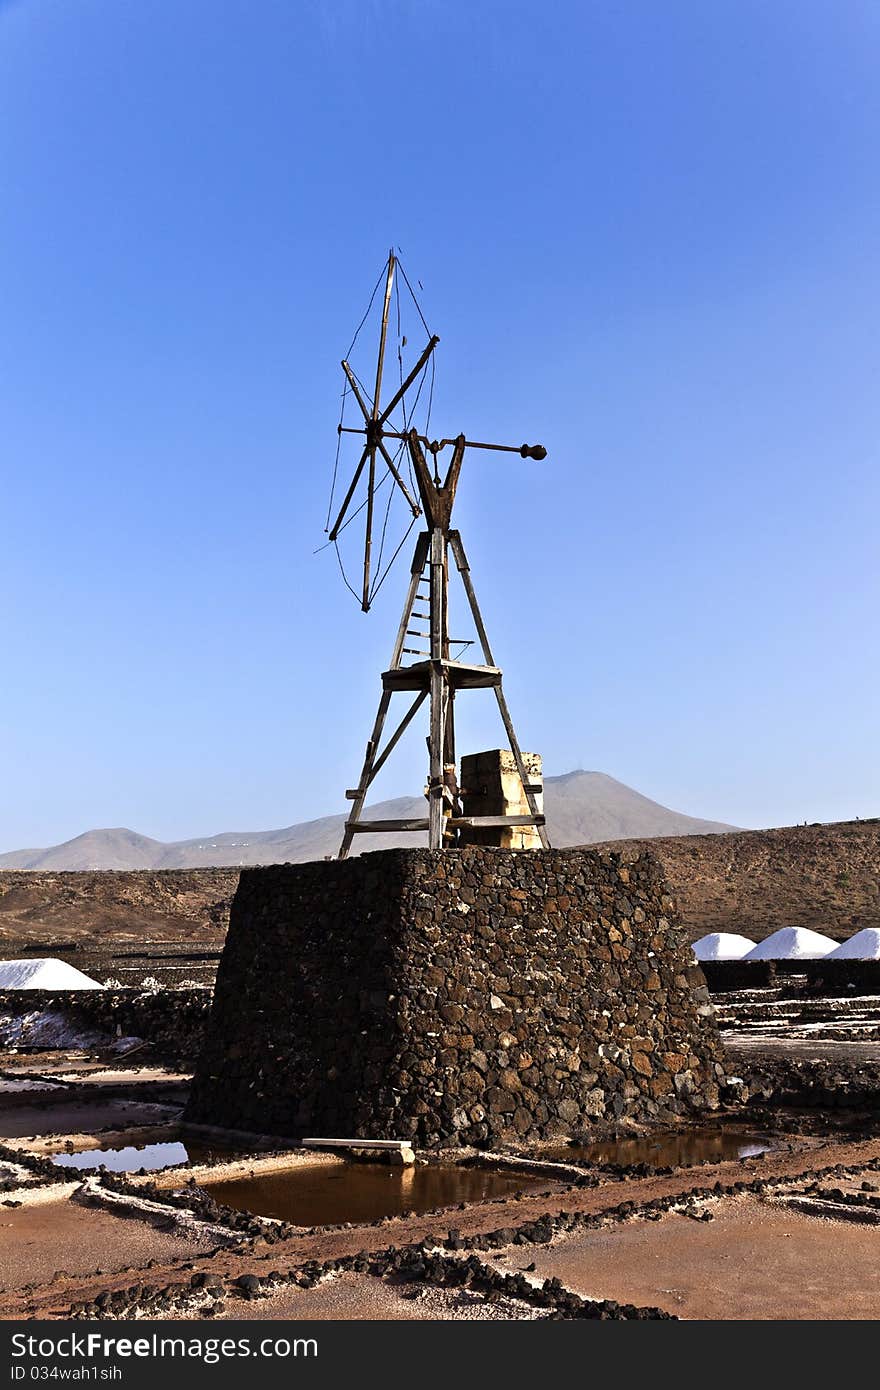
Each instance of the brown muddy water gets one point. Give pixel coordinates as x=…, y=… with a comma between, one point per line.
x=360, y=1192
x=672, y=1149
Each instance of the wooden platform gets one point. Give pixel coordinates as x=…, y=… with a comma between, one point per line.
x=459, y=676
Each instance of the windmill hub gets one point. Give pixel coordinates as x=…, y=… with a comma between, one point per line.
x=437, y=676
x=375, y=434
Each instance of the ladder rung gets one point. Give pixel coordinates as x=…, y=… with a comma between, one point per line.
x=352, y=794
x=415, y=651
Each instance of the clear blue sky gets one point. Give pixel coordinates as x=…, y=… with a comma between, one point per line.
x=647, y=235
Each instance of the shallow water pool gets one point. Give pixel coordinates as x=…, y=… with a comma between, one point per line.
x=670, y=1149
x=359, y=1192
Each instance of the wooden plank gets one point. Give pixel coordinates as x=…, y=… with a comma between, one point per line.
x=485, y=822
x=400, y=1151
x=458, y=675
x=396, y=1144
x=383, y=827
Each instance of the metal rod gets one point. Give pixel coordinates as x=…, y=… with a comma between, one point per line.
x=536, y=451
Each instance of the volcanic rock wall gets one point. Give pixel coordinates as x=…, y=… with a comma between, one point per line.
x=172, y=1022
x=478, y=995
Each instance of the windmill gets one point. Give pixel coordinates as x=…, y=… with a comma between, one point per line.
x=435, y=677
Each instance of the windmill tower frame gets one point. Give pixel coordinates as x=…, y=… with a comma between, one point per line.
x=436, y=678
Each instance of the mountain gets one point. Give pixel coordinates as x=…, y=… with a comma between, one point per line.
x=581, y=808
x=96, y=849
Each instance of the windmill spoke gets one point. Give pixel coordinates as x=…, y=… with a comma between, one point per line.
x=371, y=487
x=348, y=496
x=399, y=394
x=384, y=333
x=397, y=478
x=352, y=381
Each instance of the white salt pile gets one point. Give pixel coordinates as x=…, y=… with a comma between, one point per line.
x=865, y=945
x=44, y=973
x=793, y=943
x=722, y=945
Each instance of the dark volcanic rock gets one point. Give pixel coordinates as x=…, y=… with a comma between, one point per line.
x=479, y=994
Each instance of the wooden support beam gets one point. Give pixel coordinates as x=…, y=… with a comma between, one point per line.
x=465, y=572
x=437, y=691
x=401, y=728
x=383, y=827
x=487, y=822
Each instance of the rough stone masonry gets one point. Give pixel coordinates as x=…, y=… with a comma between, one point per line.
x=476, y=996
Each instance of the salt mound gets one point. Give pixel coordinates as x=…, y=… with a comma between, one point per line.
x=865, y=945
x=722, y=945
x=45, y=973
x=792, y=943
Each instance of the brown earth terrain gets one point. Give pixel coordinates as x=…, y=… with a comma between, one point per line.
x=123, y=907
x=825, y=877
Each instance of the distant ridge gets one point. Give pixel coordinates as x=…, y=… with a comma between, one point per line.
x=581, y=808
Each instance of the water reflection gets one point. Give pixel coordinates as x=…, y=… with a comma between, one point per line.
x=672, y=1149
x=322, y=1196
x=152, y=1157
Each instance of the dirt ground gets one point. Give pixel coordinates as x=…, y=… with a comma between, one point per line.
x=755, y=1260
x=678, y=1230
x=359, y=1298
x=38, y=1244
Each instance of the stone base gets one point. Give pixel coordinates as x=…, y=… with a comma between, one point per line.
x=472, y=996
